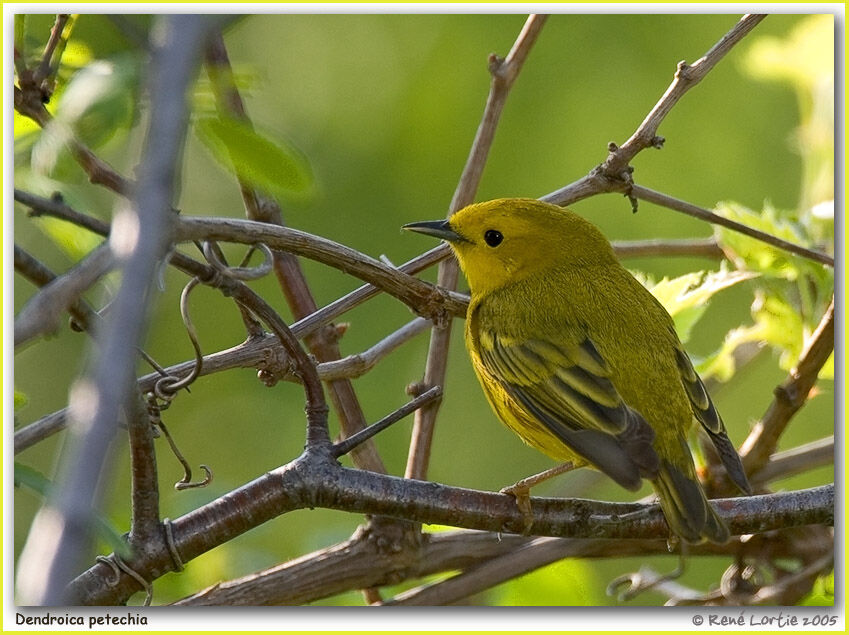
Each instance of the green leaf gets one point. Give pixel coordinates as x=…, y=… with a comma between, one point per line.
x=804, y=58
x=25, y=476
x=274, y=167
x=751, y=254
x=776, y=323
x=686, y=297
x=20, y=32
x=98, y=102
x=722, y=365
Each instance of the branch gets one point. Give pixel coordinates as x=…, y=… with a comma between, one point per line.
x=504, y=74
x=797, y=460
x=484, y=558
x=359, y=364
x=317, y=481
x=144, y=530
x=686, y=76
x=693, y=210
x=429, y=301
x=48, y=67
x=790, y=396
x=318, y=435
x=348, y=444
x=50, y=556
x=688, y=248
x=82, y=313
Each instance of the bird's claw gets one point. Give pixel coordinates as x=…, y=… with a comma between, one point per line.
x=522, y=494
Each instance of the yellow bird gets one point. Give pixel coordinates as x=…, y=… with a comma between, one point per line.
x=579, y=359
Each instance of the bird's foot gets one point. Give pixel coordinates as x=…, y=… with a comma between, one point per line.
x=521, y=491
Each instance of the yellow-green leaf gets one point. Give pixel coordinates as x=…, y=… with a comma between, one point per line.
x=687, y=297
x=272, y=166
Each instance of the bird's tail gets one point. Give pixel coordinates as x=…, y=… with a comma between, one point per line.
x=683, y=501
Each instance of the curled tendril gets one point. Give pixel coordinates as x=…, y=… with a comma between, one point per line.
x=172, y=545
x=630, y=585
x=185, y=482
x=118, y=565
x=168, y=385
x=213, y=255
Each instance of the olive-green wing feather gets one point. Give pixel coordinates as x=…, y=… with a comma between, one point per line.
x=567, y=388
x=707, y=415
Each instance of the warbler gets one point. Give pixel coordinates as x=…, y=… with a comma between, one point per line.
x=580, y=359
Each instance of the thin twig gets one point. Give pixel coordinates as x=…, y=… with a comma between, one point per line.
x=504, y=73
x=686, y=76
x=48, y=66
x=358, y=364
x=56, y=207
x=664, y=200
x=687, y=248
x=346, y=445
x=614, y=174
x=318, y=435
x=790, y=395
x=797, y=460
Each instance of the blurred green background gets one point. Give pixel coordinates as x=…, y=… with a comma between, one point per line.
x=384, y=109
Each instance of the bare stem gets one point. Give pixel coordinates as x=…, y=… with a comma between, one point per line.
x=504, y=74
x=36, y=272
x=699, y=212
x=144, y=530
x=797, y=460
x=345, y=446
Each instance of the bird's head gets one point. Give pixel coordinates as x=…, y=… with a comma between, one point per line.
x=506, y=240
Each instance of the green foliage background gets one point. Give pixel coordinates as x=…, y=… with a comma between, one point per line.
x=375, y=115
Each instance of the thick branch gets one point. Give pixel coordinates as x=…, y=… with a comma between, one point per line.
x=429, y=301
x=313, y=481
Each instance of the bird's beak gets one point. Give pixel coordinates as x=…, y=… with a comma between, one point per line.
x=438, y=228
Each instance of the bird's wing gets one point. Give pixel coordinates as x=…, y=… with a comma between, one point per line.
x=707, y=415
x=568, y=389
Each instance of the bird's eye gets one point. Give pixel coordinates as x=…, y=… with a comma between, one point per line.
x=493, y=237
